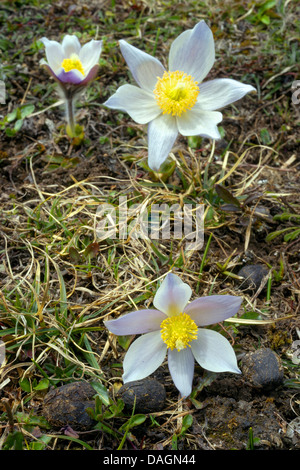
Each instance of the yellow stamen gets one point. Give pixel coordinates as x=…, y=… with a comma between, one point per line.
x=176, y=92
x=72, y=63
x=178, y=331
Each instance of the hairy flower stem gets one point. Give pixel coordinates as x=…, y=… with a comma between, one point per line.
x=70, y=115
x=70, y=94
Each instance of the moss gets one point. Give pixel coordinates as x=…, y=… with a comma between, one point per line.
x=278, y=338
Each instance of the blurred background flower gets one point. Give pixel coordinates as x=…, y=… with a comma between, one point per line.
x=73, y=67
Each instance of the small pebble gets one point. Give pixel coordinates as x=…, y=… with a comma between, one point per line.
x=262, y=369
x=148, y=394
x=253, y=275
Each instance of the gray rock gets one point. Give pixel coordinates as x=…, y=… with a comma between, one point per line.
x=253, y=275
x=262, y=369
x=66, y=406
x=148, y=395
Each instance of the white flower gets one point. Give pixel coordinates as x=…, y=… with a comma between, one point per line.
x=176, y=101
x=73, y=67
x=173, y=329
x=68, y=62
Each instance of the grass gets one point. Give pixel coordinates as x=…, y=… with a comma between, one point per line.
x=59, y=281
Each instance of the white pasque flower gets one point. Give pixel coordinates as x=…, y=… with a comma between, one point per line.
x=172, y=329
x=69, y=63
x=176, y=101
x=73, y=67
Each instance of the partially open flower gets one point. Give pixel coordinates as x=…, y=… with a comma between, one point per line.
x=68, y=62
x=73, y=67
x=175, y=100
x=173, y=329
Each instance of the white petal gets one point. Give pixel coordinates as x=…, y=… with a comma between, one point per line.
x=70, y=45
x=215, y=94
x=139, y=104
x=140, y=321
x=213, y=309
x=144, y=356
x=213, y=352
x=193, y=52
x=54, y=54
x=144, y=68
x=162, y=133
x=197, y=121
x=90, y=54
x=181, y=366
x=172, y=296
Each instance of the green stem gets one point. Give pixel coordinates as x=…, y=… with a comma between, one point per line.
x=70, y=116
x=203, y=261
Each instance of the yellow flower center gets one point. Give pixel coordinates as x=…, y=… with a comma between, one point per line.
x=176, y=92
x=72, y=63
x=178, y=331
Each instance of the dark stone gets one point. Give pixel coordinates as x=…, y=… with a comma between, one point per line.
x=66, y=406
x=253, y=275
x=262, y=369
x=148, y=394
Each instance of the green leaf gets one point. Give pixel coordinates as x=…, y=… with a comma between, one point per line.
x=106, y=429
x=292, y=235
x=267, y=6
x=186, y=423
x=163, y=258
x=42, y=385
x=41, y=443
x=25, y=385
x=265, y=19
x=265, y=137
x=73, y=439
x=30, y=420
x=14, y=441
x=251, y=315
x=63, y=293
x=194, y=141
x=26, y=110
x=273, y=235
x=11, y=116
x=10, y=132
x=90, y=357
x=102, y=392
x=287, y=216
x=226, y=195
x=114, y=410
x=18, y=124
x=124, y=341
x=135, y=420
x=174, y=442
